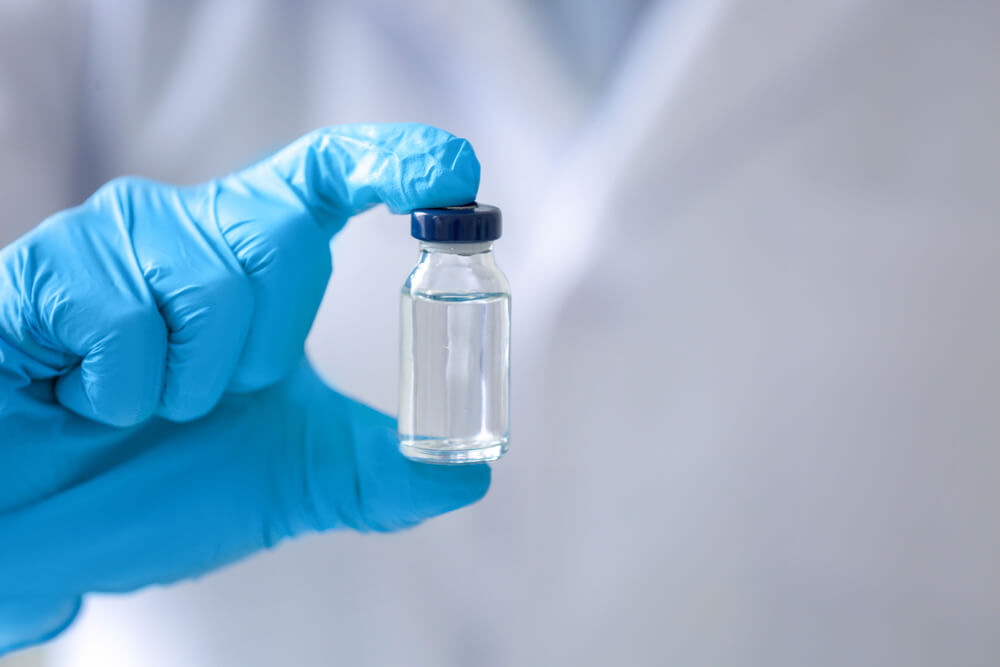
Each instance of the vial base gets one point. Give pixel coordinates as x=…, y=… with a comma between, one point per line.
x=450, y=452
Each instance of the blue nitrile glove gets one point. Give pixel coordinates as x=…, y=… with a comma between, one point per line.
x=157, y=416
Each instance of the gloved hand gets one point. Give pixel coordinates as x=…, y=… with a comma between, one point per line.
x=157, y=416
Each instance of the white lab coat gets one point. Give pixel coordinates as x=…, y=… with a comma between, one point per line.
x=753, y=250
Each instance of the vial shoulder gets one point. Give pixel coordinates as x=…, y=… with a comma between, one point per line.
x=457, y=279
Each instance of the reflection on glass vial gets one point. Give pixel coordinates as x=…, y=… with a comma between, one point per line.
x=455, y=341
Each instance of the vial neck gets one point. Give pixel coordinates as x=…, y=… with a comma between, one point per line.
x=464, y=249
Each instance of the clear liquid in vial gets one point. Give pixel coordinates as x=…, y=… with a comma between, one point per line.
x=454, y=389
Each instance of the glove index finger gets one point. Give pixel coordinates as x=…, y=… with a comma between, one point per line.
x=340, y=171
x=278, y=216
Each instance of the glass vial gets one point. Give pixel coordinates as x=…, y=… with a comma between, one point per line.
x=454, y=389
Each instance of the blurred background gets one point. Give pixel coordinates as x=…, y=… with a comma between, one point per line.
x=754, y=255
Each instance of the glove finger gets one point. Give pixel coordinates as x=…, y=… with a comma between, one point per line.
x=83, y=296
x=103, y=311
x=202, y=294
x=170, y=502
x=278, y=217
x=340, y=171
x=176, y=500
x=355, y=476
x=208, y=323
x=28, y=621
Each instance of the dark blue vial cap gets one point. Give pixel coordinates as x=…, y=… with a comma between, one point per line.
x=469, y=223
